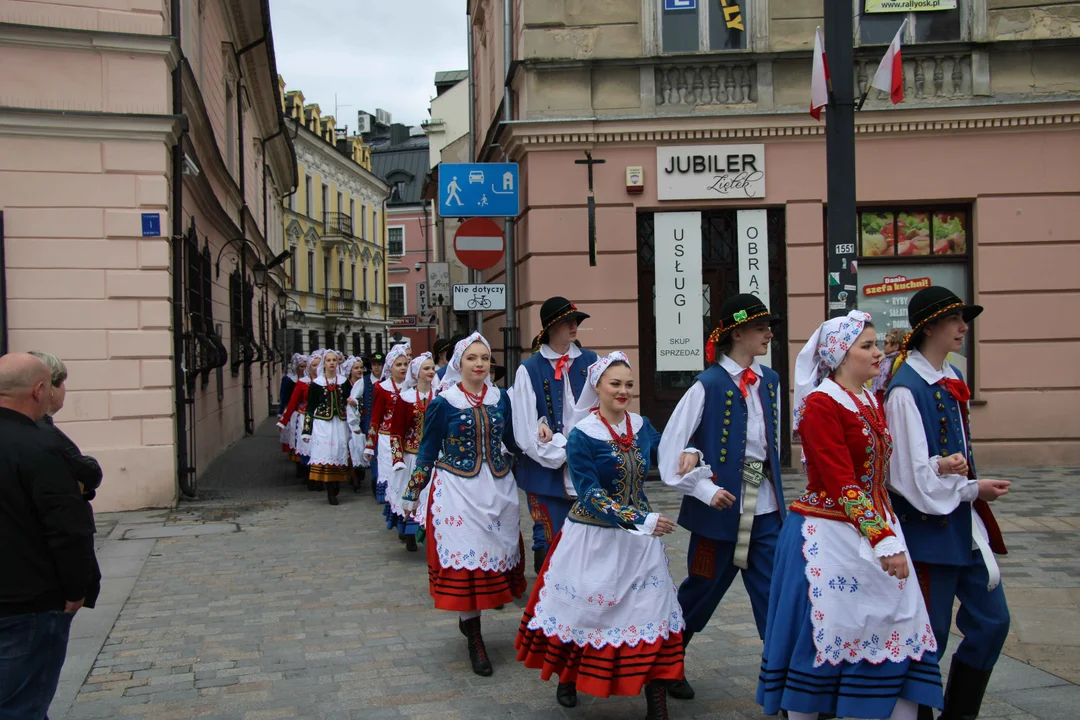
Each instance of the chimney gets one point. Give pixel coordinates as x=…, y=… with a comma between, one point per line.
x=398, y=134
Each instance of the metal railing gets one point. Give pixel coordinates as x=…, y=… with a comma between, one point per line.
x=340, y=301
x=337, y=223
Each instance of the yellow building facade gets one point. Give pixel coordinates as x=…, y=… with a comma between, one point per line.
x=335, y=226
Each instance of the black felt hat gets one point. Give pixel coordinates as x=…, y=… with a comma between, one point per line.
x=374, y=358
x=554, y=311
x=738, y=310
x=439, y=348
x=498, y=370
x=932, y=303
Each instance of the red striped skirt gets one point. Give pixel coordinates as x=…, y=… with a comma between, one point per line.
x=611, y=670
x=464, y=590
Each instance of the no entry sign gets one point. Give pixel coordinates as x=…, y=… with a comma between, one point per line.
x=479, y=243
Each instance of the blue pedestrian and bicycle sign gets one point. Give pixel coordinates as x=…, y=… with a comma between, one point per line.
x=478, y=189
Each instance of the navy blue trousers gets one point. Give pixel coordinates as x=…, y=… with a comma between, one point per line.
x=711, y=572
x=548, y=514
x=983, y=616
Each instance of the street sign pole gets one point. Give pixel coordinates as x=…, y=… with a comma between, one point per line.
x=840, y=280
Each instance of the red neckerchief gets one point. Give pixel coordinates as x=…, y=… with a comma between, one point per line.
x=560, y=365
x=749, y=377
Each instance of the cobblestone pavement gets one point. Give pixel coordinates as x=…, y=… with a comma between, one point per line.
x=313, y=611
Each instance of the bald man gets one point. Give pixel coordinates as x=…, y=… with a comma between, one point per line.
x=47, y=568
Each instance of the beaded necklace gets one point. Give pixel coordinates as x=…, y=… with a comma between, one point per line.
x=474, y=400
x=870, y=414
x=623, y=442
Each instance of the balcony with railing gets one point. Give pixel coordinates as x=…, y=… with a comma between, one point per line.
x=338, y=227
x=340, y=302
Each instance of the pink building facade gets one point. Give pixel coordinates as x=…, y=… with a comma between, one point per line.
x=969, y=183
x=141, y=176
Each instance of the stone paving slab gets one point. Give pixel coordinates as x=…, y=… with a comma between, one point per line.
x=313, y=611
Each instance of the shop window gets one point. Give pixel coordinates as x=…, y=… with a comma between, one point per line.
x=905, y=249
x=703, y=25
x=330, y=341
x=878, y=23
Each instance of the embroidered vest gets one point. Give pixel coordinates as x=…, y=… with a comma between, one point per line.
x=938, y=539
x=475, y=436
x=721, y=437
x=549, y=392
x=366, y=401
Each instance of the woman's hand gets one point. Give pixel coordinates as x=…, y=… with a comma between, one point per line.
x=663, y=526
x=687, y=462
x=895, y=565
x=722, y=500
x=545, y=433
x=307, y=439
x=352, y=402
x=955, y=464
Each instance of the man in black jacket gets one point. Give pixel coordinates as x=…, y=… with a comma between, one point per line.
x=47, y=567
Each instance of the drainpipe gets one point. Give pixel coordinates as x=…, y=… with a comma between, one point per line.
x=510, y=341
x=266, y=290
x=474, y=323
x=184, y=472
x=3, y=292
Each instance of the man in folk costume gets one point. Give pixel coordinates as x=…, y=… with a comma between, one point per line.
x=546, y=387
x=374, y=363
x=943, y=508
x=729, y=420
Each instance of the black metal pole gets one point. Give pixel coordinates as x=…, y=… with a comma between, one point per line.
x=3, y=292
x=840, y=159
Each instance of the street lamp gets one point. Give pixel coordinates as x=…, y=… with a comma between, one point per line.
x=283, y=303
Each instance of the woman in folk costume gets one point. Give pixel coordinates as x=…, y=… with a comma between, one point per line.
x=474, y=547
x=382, y=445
x=942, y=503
x=848, y=632
x=408, y=427
x=294, y=415
x=297, y=366
x=325, y=430
x=374, y=364
x=354, y=419
x=604, y=615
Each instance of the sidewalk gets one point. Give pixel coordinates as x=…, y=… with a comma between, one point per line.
x=262, y=601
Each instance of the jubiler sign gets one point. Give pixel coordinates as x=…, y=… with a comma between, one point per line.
x=710, y=172
x=680, y=333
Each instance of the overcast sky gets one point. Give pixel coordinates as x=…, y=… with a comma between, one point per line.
x=372, y=54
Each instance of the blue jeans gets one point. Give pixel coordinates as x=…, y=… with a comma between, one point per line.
x=32, y=650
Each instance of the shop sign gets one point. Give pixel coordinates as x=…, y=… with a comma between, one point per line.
x=680, y=329
x=438, y=280
x=710, y=172
x=886, y=6
x=753, y=253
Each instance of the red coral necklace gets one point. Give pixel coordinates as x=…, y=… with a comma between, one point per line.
x=870, y=414
x=623, y=442
x=474, y=400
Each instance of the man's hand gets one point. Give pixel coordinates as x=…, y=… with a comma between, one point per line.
x=545, y=434
x=663, y=526
x=896, y=565
x=991, y=490
x=73, y=607
x=352, y=402
x=955, y=464
x=687, y=462
x=722, y=500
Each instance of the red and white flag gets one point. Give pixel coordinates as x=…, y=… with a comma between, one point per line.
x=890, y=73
x=819, y=82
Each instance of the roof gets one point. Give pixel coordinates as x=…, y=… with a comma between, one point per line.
x=408, y=162
x=451, y=76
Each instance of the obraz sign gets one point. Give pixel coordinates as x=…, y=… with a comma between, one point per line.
x=710, y=172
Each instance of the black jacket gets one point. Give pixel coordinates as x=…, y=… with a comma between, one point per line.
x=46, y=528
x=86, y=469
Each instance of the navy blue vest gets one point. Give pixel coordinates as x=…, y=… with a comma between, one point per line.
x=549, y=392
x=368, y=399
x=441, y=372
x=938, y=539
x=721, y=437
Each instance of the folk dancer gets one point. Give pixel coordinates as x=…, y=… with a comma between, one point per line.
x=382, y=445
x=297, y=366
x=546, y=387
x=474, y=548
x=943, y=507
x=407, y=426
x=848, y=632
x=604, y=615
x=729, y=420
x=374, y=364
x=293, y=417
x=325, y=430
x=355, y=371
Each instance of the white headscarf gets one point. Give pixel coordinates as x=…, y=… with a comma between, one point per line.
x=453, y=371
x=347, y=366
x=413, y=373
x=294, y=365
x=391, y=357
x=322, y=365
x=590, y=398
x=823, y=353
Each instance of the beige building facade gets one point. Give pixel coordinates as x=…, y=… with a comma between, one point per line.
x=142, y=166
x=701, y=118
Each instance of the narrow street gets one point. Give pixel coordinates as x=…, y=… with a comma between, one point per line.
x=261, y=601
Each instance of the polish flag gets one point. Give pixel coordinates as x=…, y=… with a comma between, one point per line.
x=819, y=82
x=890, y=73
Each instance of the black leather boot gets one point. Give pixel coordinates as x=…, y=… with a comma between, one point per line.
x=410, y=543
x=332, y=490
x=925, y=713
x=566, y=694
x=681, y=689
x=964, y=692
x=477, y=650
x=539, y=555
x=656, y=701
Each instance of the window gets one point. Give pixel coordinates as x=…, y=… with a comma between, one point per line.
x=230, y=127
x=340, y=203
x=311, y=271
x=237, y=315
x=352, y=276
x=309, y=198
x=325, y=199
x=363, y=222
x=341, y=274
x=399, y=190
x=379, y=343
x=879, y=28
x=396, y=294
x=352, y=210
x=367, y=344
x=703, y=25
x=364, y=276
x=326, y=273
x=378, y=284
x=313, y=341
x=330, y=340
x=375, y=230
x=395, y=241
x=356, y=344
x=905, y=249
x=292, y=270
